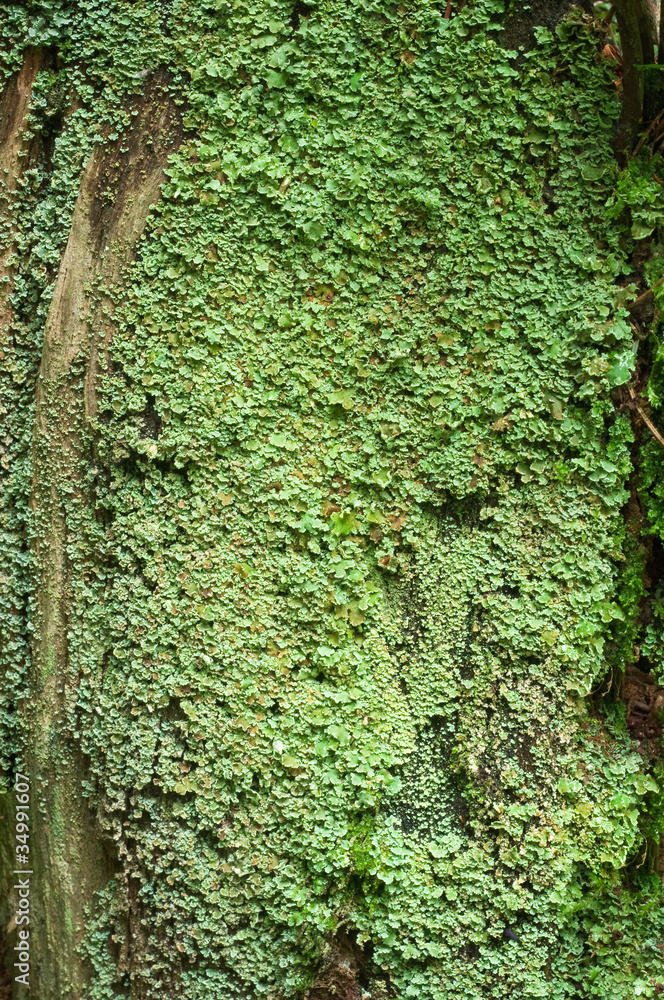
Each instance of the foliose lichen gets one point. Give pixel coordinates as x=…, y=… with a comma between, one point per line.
x=352, y=558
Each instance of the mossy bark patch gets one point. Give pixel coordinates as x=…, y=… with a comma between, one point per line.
x=331, y=561
x=119, y=186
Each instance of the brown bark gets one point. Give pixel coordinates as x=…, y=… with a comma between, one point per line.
x=119, y=186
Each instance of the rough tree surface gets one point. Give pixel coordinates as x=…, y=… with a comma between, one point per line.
x=332, y=627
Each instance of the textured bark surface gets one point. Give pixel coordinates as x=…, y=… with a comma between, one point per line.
x=119, y=186
x=341, y=673
x=16, y=156
x=524, y=17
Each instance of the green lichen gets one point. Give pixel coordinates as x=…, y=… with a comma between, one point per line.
x=350, y=561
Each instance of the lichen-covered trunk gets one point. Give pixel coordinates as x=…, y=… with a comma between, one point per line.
x=330, y=578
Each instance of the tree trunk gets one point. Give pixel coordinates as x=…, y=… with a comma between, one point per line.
x=331, y=576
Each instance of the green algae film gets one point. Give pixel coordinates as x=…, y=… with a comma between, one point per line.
x=350, y=555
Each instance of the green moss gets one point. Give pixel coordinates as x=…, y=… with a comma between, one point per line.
x=352, y=555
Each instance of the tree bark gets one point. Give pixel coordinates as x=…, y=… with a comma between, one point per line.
x=331, y=572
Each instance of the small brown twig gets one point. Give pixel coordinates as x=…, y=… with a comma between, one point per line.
x=647, y=421
x=645, y=295
x=647, y=134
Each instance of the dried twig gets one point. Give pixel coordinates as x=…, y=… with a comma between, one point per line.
x=647, y=421
x=645, y=295
x=654, y=124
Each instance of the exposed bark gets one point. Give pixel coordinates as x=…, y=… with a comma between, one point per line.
x=16, y=155
x=524, y=17
x=630, y=24
x=339, y=977
x=119, y=186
